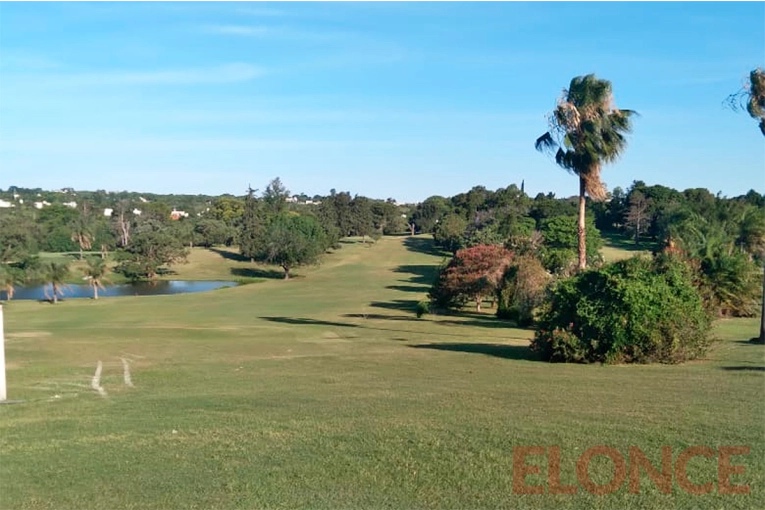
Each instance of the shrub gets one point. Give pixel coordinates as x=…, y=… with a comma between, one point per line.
x=635, y=310
x=473, y=274
x=423, y=308
x=561, y=242
x=522, y=290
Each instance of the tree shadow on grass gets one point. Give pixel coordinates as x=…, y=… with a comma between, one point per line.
x=409, y=288
x=378, y=316
x=256, y=272
x=626, y=243
x=482, y=323
x=408, y=305
x=230, y=255
x=421, y=273
x=518, y=352
x=424, y=245
x=740, y=368
x=302, y=321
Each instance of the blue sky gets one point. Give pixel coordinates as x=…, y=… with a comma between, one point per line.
x=402, y=100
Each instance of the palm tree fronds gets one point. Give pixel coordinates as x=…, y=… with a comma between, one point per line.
x=545, y=143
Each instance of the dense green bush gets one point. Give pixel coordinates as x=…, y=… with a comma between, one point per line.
x=561, y=242
x=522, y=290
x=635, y=310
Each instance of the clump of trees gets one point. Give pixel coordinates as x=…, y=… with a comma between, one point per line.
x=273, y=235
x=152, y=247
x=290, y=241
x=635, y=310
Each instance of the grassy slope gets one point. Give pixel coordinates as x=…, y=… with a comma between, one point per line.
x=326, y=392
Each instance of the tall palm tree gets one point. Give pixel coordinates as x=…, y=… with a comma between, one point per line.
x=586, y=132
x=752, y=97
x=55, y=275
x=95, y=272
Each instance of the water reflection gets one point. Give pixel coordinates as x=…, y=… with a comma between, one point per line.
x=155, y=288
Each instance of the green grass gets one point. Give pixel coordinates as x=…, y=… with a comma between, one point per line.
x=619, y=247
x=325, y=391
x=220, y=263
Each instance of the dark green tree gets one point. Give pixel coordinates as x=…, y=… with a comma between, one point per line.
x=291, y=241
x=152, y=246
x=275, y=197
x=450, y=233
x=363, y=224
x=253, y=225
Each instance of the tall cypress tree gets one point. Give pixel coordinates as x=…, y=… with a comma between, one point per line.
x=252, y=226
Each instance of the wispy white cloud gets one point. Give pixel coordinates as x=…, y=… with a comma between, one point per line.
x=238, y=30
x=277, y=32
x=173, y=146
x=222, y=74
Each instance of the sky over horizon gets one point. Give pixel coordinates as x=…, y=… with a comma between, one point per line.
x=401, y=100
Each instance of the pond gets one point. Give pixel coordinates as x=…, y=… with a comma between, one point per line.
x=155, y=288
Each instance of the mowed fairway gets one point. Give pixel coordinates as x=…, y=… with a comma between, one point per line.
x=326, y=391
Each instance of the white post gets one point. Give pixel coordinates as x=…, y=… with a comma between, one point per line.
x=3, y=393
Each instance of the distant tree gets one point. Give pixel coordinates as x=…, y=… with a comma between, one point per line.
x=17, y=237
x=751, y=231
x=586, y=131
x=473, y=274
x=121, y=217
x=55, y=222
x=152, y=246
x=429, y=213
x=636, y=214
x=55, y=275
x=275, y=197
x=449, y=233
x=291, y=241
x=227, y=209
x=362, y=217
x=82, y=232
x=213, y=232
x=253, y=225
x=156, y=211
x=96, y=272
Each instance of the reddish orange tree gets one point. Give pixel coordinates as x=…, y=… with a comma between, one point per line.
x=472, y=274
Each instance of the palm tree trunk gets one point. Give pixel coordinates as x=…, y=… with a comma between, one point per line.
x=95, y=291
x=581, y=228
x=286, y=272
x=762, y=314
